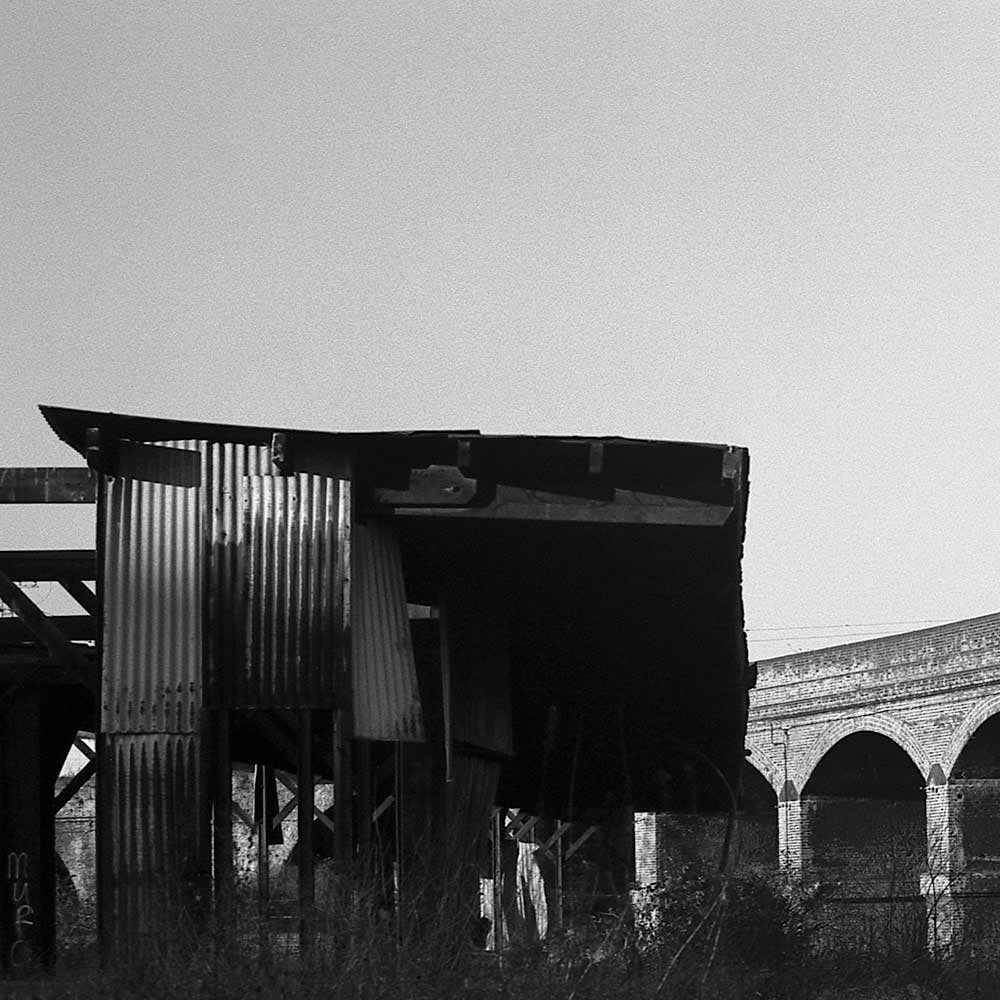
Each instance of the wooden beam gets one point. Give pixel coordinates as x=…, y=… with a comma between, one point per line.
x=41, y=674
x=59, y=647
x=47, y=485
x=293, y=787
x=579, y=842
x=71, y=627
x=75, y=784
x=243, y=816
x=49, y=564
x=80, y=593
x=514, y=503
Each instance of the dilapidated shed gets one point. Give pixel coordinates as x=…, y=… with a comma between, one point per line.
x=543, y=622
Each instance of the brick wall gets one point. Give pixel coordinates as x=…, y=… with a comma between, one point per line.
x=670, y=843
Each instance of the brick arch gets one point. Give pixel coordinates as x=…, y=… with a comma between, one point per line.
x=761, y=762
x=977, y=715
x=884, y=725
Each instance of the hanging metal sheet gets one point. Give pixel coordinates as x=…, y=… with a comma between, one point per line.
x=386, y=697
x=228, y=466
x=295, y=533
x=154, y=831
x=478, y=678
x=152, y=638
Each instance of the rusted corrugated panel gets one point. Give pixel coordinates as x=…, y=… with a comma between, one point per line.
x=154, y=831
x=228, y=466
x=384, y=676
x=295, y=528
x=152, y=658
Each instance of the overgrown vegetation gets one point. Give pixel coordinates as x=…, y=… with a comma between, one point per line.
x=751, y=935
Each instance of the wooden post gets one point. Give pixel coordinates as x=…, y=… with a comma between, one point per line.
x=559, y=877
x=498, y=831
x=342, y=805
x=223, y=814
x=306, y=797
x=364, y=751
x=399, y=831
x=27, y=919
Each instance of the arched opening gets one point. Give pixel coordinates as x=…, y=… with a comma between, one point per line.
x=974, y=802
x=865, y=842
x=976, y=781
x=756, y=842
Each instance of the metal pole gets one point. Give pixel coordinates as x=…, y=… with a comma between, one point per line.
x=497, y=880
x=263, y=859
x=342, y=805
x=559, y=877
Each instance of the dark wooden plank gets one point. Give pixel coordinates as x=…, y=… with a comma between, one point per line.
x=436, y=486
x=70, y=627
x=628, y=507
x=80, y=593
x=47, y=485
x=49, y=564
x=41, y=674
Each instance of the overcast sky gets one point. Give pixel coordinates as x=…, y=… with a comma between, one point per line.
x=767, y=224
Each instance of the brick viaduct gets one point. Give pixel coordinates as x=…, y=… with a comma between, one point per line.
x=883, y=759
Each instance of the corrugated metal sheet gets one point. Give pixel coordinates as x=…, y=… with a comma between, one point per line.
x=385, y=693
x=228, y=466
x=154, y=832
x=152, y=658
x=294, y=527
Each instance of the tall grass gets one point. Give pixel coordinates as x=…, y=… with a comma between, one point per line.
x=696, y=934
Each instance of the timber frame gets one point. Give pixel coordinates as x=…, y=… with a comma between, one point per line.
x=48, y=692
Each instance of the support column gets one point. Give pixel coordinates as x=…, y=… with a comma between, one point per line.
x=648, y=867
x=794, y=854
x=647, y=849
x=944, y=881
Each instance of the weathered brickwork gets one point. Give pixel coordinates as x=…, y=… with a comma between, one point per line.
x=667, y=844
x=932, y=693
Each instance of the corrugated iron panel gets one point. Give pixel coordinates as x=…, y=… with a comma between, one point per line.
x=295, y=527
x=228, y=466
x=152, y=657
x=154, y=833
x=384, y=676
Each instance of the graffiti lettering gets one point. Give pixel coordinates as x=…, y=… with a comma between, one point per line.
x=20, y=954
x=23, y=912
